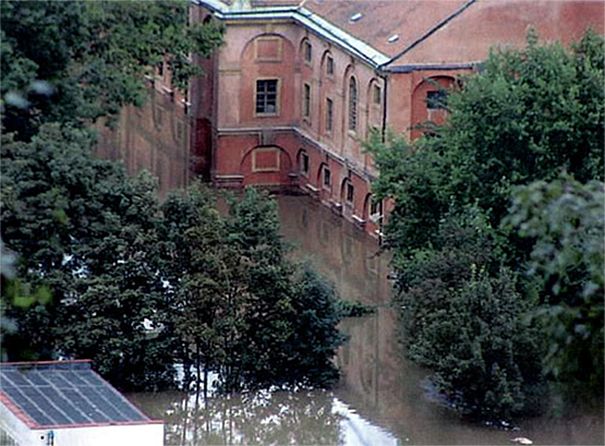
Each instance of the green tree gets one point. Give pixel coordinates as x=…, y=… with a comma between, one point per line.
x=528, y=115
x=241, y=307
x=93, y=55
x=206, y=283
x=88, y=232
x=565, y=221
x=461, y=311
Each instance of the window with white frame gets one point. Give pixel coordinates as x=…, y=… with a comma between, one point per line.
x=267, y=96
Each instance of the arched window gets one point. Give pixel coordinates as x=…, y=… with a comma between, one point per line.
x=307, y=51
x=352, y=104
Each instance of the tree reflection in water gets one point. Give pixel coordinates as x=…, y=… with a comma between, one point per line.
x=267, y=418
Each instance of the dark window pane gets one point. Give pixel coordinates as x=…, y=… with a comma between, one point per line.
x=436, y=99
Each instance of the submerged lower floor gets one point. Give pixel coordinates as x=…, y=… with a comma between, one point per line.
x=286, y=158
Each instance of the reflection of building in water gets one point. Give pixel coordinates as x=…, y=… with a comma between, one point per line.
x=155, y=137
x=347, y=257
x=377, y=382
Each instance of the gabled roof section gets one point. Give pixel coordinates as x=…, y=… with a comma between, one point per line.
x=398, y=35
x=63, y=394
x=486, y=24
x=388, y=26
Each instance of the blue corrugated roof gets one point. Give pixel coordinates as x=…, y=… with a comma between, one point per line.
x=63, y=393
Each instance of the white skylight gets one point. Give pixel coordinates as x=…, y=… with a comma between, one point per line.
x=356, y=17
x=393, y=38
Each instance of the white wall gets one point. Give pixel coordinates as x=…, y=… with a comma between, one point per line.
x=141, y=434
x=14, y=427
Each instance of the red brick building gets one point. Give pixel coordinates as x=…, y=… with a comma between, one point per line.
x=298, y=84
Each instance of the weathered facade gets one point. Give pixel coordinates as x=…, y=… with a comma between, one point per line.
x=298, y=84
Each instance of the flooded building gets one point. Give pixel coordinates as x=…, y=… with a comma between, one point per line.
x=65, y=403
x=297, y=86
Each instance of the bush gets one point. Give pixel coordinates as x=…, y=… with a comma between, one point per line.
x=462, y=316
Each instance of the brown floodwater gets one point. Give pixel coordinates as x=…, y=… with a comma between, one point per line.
x=381, y=398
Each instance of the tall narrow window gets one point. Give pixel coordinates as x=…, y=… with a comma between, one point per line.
x=350, y=192
x=329, y=66
x=377, y=95
x=352, y=104
x=266, y=96
x=329, y=114
x=308, y=51
x=327, y=177
x=375, y=208
x=304, y=163
x=307, y=101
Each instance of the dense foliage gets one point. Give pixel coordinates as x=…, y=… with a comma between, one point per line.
x=243, y=309
x=467, y=280
x=87, y=231
x=104, y=270
x=566, y=219
x=137, y=286
x=76, y=61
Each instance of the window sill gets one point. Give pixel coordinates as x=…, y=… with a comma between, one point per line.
x=266, y=115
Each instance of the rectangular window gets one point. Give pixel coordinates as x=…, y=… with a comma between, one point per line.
x=329, y=114
x=350, y=192
x=327, y=177
x=330, y=66
x=304, y=163
x=308, y=49
x=307, y=101
x=436, y=99
x=377, y=95
x=266, y=97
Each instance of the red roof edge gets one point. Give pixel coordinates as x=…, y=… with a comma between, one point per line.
x=113, y=423
x=16, y=411
x=66, y=361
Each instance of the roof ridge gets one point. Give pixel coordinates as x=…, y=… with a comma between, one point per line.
x=430, y=32
x=49, y=362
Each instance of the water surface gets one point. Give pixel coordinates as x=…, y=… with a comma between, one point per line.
x=380, y=398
